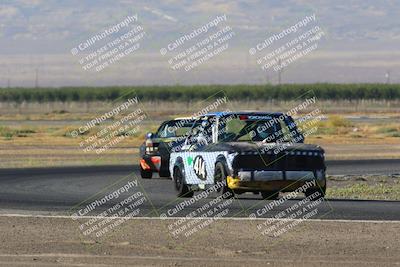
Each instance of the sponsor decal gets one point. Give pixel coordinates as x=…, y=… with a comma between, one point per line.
x=190, y=160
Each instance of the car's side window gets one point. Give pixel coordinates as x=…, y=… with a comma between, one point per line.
x=224, y=126
x=201, y=133
x=204, y=134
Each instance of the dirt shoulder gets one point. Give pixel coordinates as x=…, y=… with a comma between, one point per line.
x=377, y=187
x=50, y=241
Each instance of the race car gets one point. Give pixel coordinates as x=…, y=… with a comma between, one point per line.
x=257, y=152
x=155, y=150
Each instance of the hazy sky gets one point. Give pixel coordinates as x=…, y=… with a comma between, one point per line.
x=358, y=41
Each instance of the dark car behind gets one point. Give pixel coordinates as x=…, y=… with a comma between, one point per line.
x=155, y=150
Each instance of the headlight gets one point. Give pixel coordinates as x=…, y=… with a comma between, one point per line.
x=244, y=175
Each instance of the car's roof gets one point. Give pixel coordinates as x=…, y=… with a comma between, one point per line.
x=253, y=113
x=183, y=118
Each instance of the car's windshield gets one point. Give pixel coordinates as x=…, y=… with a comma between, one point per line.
x=174, y=128
x=267, y=128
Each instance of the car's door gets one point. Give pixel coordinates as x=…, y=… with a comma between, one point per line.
x=198, y=156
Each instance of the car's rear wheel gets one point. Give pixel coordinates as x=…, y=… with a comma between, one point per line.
x=270, y=195
x=180, y=186
x=164, y=174
x=220, y=176
x=315, y=194
x=145, y=174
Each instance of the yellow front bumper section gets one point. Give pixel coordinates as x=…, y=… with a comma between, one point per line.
x=235, y=183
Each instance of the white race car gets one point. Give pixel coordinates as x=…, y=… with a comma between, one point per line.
x=255, y=152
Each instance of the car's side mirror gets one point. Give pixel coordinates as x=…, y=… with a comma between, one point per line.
x=188, y=144
x=185, y=147
x=148, y=135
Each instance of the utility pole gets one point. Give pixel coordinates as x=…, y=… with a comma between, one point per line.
x=279, y=72
x=37, y=78
x=387, y=75
x=246, y=71
x=8, y=78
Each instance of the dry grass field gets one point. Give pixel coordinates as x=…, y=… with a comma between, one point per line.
x=34, y=135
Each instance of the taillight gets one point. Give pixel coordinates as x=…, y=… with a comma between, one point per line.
x=144, y=165
x=156, y=161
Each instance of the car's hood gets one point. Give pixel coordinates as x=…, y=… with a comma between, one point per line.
x=164, y=140
x=260, y=146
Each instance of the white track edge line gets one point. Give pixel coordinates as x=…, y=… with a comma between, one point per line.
x=197, y=218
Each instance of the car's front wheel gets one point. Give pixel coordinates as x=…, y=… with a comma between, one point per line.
x=220, y=176
x=315, y=194
x=270, y=195
x=180, y=186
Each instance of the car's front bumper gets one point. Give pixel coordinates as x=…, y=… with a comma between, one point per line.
x=284, y=181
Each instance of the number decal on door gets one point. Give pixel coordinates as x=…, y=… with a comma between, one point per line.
x=199, y=167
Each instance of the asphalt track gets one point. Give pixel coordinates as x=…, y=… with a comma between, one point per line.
x=67, y=190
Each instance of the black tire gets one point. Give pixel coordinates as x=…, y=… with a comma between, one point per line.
x=220, y=176
x=146, y=174
x=309, y=193
x=180, y=186
x=270, y=195
x=164, y=174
